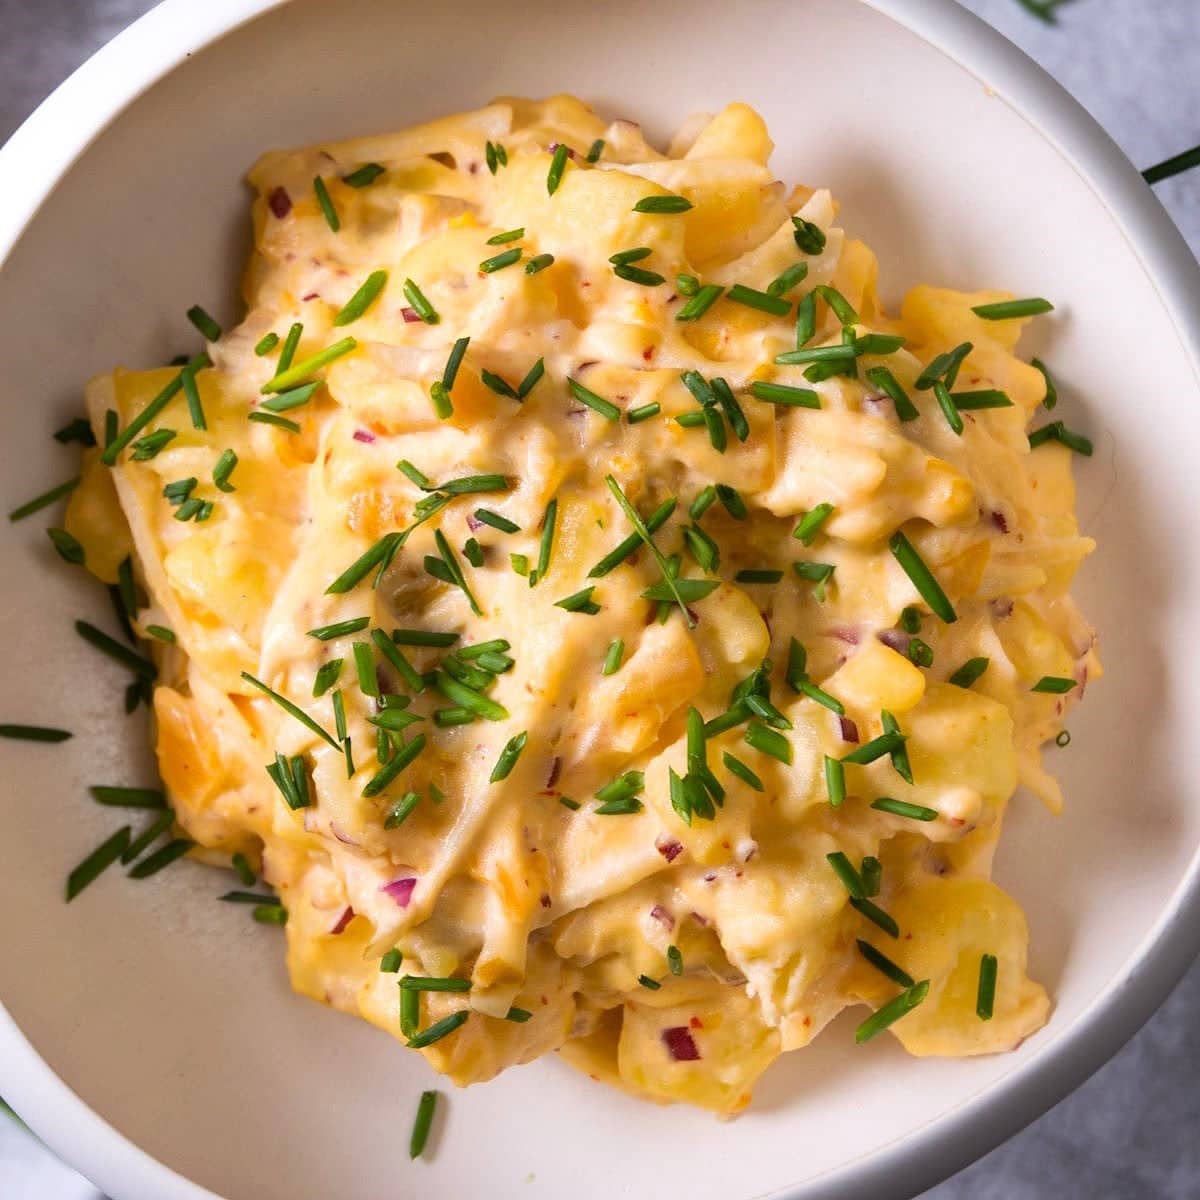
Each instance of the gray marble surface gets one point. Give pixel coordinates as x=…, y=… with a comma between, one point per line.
x=1130, y=1132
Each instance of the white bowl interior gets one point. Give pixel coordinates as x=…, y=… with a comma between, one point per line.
x=169, y=1013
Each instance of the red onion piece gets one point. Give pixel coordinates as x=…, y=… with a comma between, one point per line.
x=663, y=917
x=473, y=523
x=847, y=634
x=343, y=921
x=893, y=639
x=554, y=146
x=680, y=1044
x=362, y=435
x=410, y=315
x=849, y=729
x=311, y=296
x=342, y=837
x=1002, y=608
x=669, y=848
x=555, y=771
x=279, y=202
x=400, y=890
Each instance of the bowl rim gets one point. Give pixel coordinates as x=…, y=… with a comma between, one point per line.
x=45, y=147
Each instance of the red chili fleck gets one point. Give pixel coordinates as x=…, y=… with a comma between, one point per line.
x=849, y=730
x=663, y=917
x=409, y=315
x=545, y=900
x=999, y=521
x=279, y=202
x=343, y=921
x=648, y=353
x=362, y=435
x=668, y=848
x=680, y=1044
x=696, y=1023
x=312, y=296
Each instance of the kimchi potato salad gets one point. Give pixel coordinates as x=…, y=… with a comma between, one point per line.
x=604, y=628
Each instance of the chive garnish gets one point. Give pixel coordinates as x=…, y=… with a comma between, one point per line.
x=439, y=1030
x=290, y=776
x=809, y=238
x=731, y=500
x=290, y=345
x=844, y=869
x=454, y=361
x=700, y=303
x=1058, y=432
x=496, y=521
x=1051, y=397
x=270, y=914
x=872, y=875
x=840, y=306
x=390, y=963
x=1063, y=738
x=499, y=261
x=445, y=717
x=662, y=204
x=691, y=420
x=948, y=407
x=687, y=285
x=887, y=383
x=364, y=665
x=567, y=802
x=985, y=998
x=292, y=710
x=79, y=430
x=149, y=836
x=701, y=504
x=508, y=757
x=596, y=149
x=703, y=549
x=945, y=367
x=981, y=399
x=362, y=176
x=892, y=1011
x=683, y=591
x=465, y=697
x=597, y=403
x=327, y=676
x=1054, y=685
x=835, y=781
x=806, y=320
x=539, y=263
x=876, y=914
x=362, y=299
x=622, y=806
x=402, y=758
x=920, y=652
x=868, y=752
x=646, y=982
x=643, y=412
x=339, y=714
x=818, y=354
x=969, y=672
x=510, y=235
x=326, y=204
x=878, y=343
x=456, y=573
x=637, y=275
x=44, y=500
x=208, y=328
x=546, y=543
x=142, y=667
x=498, y=384
x=558, y=164
x=325, y=633
x=531, y=379
x=249, y=897
x=902, y=808
x=34, y=733
x=767, y=302
x=410, y=1009
x=299, y=372
x=787, y=280
x=164, y=857
x=623, y=257
x=782, y=393
x=97, y=862
x=267, y=418
x=735, y=766
x=758, y=575
x=222, y=470
x=899, y=755
x=922, y=578
x=881, y=962
x=172, y=389
x=730, y=407
x=621, y=552
x=422, y=1124
x=420, y=305
x=815, y=572
x=241, y=865
x=401, y=810
x=812, y=522
x=822, y=697
x=768, y=741
x=423, y=637
x=520, y=564
x=395, y=720
x=128, y=797
x=473, y=552
x=495, y=156
x=580, y=601
x=612, y=660
x=377, y=556
x=1007, y=309
x=68, y=547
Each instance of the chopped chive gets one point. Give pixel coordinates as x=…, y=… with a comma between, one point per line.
x=949, y=409
x=868, y=752
x=887, y=383
x=731, y=500
x=920, y=652
x=1054, y=685
x=291, y=778
x=140, y=666
x=270, y=914
x=623, y=550
x=445, y=717
x=410, y=1010
x=596, y=149
x=687, y=591
x=703, y=549
x=492, y=152
x=223, y=469
x=33, y=733
x=44, y=500
x=395, y=720
x=267, y=418
x=762, y=301
x=79, y=430
x=580, y=601
x=637, y=275
x=687, y=285
x=702, y=503
x=730, y=407
x=818, y=354
x=520, y=564
x=700, y=303
x=814, y=572
x=362, y=299
x=985, y=997
x=539, y=263
x=881, y=962
x=326, y=633
x=402, y=758
x=735, y=766
x=456, y=572
x=876, y=914
x=835, y=781
x=622, y=806
x=789, y=279
x=782, y=393
x=1051, y=397
x=241, y=865
x=662, y=204
x=762, y=707
x=910, y=619
x=567, y=802
x=499, y=261
x=401, y=810
x=420, y=305
x=612, y=660
x=498, y=384
x=299, y=372
x=390, y=963
x=945, y=367
x=878, y=343
x=423, y=637
x=149, y=447
x=422, y=1124
x=508, y=757
x=809, y=238
x=872, y=875
x=290, y=344
x=128, y=797
x=546, y=542
x=510, y=235
x=364, y=665
x=327, y=676
x=844, y=869
x=691, y=420
x=597, y=403
x=249, y=897
x=675, y=960
x=326, y=204
x=496, y=521
x=377, y=556
x=149, y=836
x=643, y=412
x=339, y=714
x=363, y=176
x=291, y=709
x=153, y=863
x=891, y=1012
x=473, y=552
x=621, y=788
x=531, y=379
x=899, y=755
x=758, y=575
x=806, y=320
x=465, y=697
x=839, y=305
x=630, y=256
x=558, y=164
x=172, y=389
x=902, y=808
x=797, y=665
x=68, y=547
x=1063, y=738
x=439, y=1030
x=440, y=395
x=97, y=862
x=454, y=361
x=769, y=741
x=647, y=982
x=812, y=522
x=981, y=399
x=208, y=328
x=1058, y=432
x=1007, y=309
x=969, y=672
x=922, y=578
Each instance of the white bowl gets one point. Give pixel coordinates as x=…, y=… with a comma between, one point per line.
x=150, y=1036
